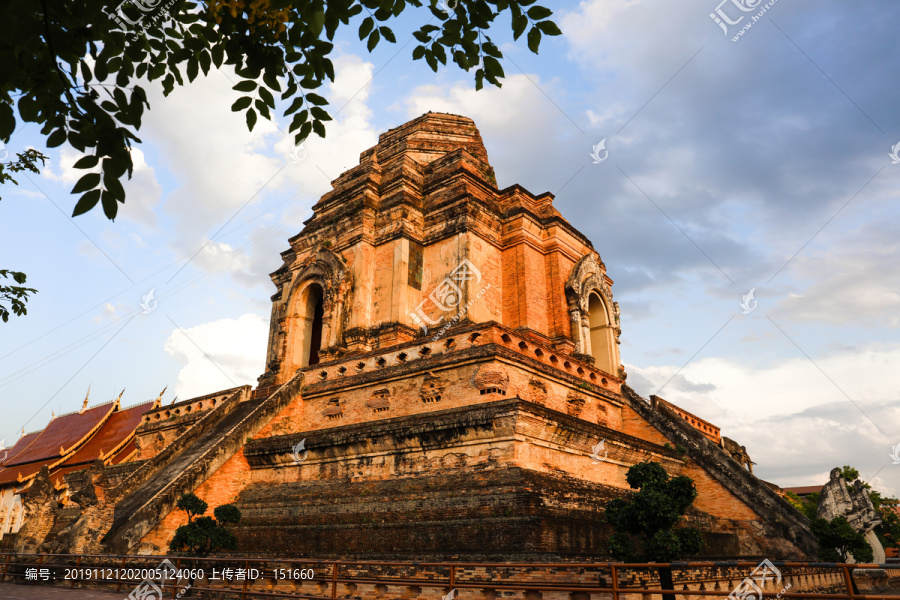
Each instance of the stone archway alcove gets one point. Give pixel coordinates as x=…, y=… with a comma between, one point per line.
x=594, y=317
x=311, y=321
x=305, y=329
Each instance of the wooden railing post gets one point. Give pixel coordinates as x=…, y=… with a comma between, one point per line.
x=77, y=564
x=452, y=577
x=118, y=575
x=246, y=580
x=848, y=580
x=6, y=567
x=615, y=582
x=175, y=579
x=334, y=569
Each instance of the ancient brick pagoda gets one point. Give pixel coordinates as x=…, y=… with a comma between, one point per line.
x=443, y=380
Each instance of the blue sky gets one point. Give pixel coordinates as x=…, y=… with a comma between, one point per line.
x=759, y=164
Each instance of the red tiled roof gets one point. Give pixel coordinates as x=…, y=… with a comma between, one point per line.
x=63, y=433
x=20, y=447
x=114, y=433
x=11, y=474
x=804, y=489
x=125, y=453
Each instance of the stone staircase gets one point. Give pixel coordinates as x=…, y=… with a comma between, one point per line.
x=149, y=494
x=775, y=511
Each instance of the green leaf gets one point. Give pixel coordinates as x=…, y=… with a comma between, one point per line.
x=316, y=99
x=317, y=22
x=248, y=85
x=110, y=206
x=439, y=53
x=365, y=28
x=86, y=162
x=241, y=103
x=491, y=50
x=266, y=96
x=57, y=138
x=262, y=108
x=493, y=66
x=218, y=54
x=251, y=119
x=388, y=34
x=87, y=182
x=549, y=28
x=373, y=40
x=299, y=119
x=271, y=81
x=319, y=114
x=205, y=62
x=114, y=186
x=534, y=39
x=418, y=52
x=539, y=13
x=519, y=25
x=295, y=105
x=86, y=202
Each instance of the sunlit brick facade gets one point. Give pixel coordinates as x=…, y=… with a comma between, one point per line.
x=442, y=369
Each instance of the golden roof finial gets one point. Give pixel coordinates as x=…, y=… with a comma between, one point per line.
x=159, y=398
x=86, y=396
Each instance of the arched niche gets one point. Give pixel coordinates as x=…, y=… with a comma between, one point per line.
x=593, y=316
x=308, y=326
x=601, y=334
x=310, y=320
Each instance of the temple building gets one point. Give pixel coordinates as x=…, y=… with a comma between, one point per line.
x=69, y=443
x=442, y=380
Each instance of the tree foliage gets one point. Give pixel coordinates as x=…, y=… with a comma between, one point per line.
x=838, y=540
x=651, y=515
x=13, y=297
x=78, y=70
x=889, y=531
x=808, y=505
x=203, y=535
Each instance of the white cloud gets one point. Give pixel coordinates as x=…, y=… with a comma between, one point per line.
x=219, y=354
x=67, y=173
x=517, y=123
x=209, y=151
x=795, y=423
x=225, y=172
x=854, y=282
x=349, y=133
x=143, y=193
x=747, y=391
x=110, y=312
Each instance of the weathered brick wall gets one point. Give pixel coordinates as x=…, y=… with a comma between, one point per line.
x=222, y=487
x=448, y=209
